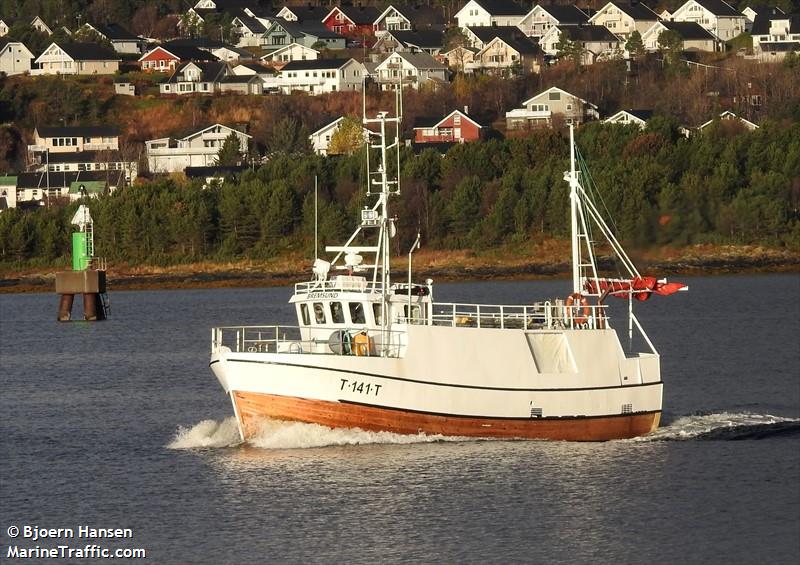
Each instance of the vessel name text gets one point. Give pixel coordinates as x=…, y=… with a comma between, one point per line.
x=359, y=386
x=323, y=295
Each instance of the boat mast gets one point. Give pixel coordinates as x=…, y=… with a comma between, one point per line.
x=573, y=201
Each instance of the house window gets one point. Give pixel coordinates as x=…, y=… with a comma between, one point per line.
x=457, y=120
x=554, y=96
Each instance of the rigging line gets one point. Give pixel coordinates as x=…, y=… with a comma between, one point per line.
x=596, y=189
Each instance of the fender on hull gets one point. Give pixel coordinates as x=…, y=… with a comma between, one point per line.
x=251, y=407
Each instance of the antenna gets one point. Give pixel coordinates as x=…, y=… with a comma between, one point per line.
x=316, y=214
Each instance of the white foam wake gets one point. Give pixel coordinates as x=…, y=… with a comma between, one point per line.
x=279, y=434
x=689, y=427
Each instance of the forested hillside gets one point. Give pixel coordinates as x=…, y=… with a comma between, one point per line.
x=724, y=185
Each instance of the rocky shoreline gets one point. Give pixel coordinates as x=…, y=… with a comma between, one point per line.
x=263, y=277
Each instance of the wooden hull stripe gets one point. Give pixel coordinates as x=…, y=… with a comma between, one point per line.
x=449, y=385
x=525, y=418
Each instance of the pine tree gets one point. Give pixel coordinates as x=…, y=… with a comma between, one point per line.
x=229, y=153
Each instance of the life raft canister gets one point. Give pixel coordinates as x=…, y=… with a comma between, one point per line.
x=578, y=308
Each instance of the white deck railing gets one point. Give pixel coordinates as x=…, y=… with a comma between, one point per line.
x=544, y=315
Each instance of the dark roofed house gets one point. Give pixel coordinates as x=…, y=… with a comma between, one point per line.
x=630, y=116
x=479, y=36
x=716, y=16
x=455, y=127
x=167, y=58
x=485, y=13
x=776, y=35
x=195, y=78
x=428, y=41
x=596, y=42
x=623, y=18
x=352, y=21
x=76, y=59
x=321, y=76
x=249, y=30
x=694, y=36
x=509, y=55
x=543, y=17
x=120, y=38
x=305, y=13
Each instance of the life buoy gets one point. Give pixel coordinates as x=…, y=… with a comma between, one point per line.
x=578, y=308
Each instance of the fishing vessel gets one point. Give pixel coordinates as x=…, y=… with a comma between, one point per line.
x=380, y=354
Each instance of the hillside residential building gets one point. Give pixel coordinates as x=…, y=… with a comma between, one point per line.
x=478, y=37
x=321, y=76
x=597, y=42
x=412, y=69
x=248, y=30
x=630, y=117
x=623, y=18
x=291, y=52
x=74, y=139
x=456, y=127
x=460, y=59
x=351, y=21
x=198, y=149
x=542, y=17
x=39, y=25
x=15, y=58
x=486, y=13
x=38, y=187
x=166, y=59
x=5, y=26
x=774, y=36
x=540, y=110
x=304, y=13
x=120, y=38
x=716, y=16
x=191, y=78
x=310, y=34
x=695, y=37
x=76, y=59
x=85, y=161
x=752, y=12
x=728, y=116
x=321, y=139
x=509, y=54
x=427, y=41
x=392, y=19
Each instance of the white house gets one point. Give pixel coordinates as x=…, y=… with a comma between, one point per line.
x=716, y=16
x=695, y=37
x=321, y=76
x=750, y=13
x=120, y=38
x=630, y=117
x=191, y=78
x=248, y=30
x=392, y=19
x=727, y=116
x=623, y=18
x=412, y=69
x=484, y=13
x=596, y=42
x=542, y=17
x=539, y=110
x=76, y=59
x=291, y=52
x=39, y=25
x=5, y=26
x=776, y=34
x=15, y=58
x=198, y=149
x=321, y=139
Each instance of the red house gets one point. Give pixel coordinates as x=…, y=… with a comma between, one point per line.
x=456, y=127
x=167, y=59
x=356, y=22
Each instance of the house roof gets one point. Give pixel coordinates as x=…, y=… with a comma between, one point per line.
x=209, y=71
x=88, y=52
x=77, y=131
x=233, y=49
x=5, y=42
x=762, y=10
x=422, y=39
x=199, y=43
x=114, y=32
x=257, y=68
x=303, y=13
x=419, y=60
x=486, y=34
x=728, y=115
x=637, y=10
x=587, y=33
x=64, y=179
x=642, y=115
x=569, y=14
x=315, y=64
x=762, y=23
x=719, y=8
x=427, y=123
x=556, y=89
x=317, y=29
x=184, y=53
x=521, y=45
x=502, y=7
x=195, y=133
x=327, y=126
x=287, y=48
x=251, y=23
x=689, y=30
x=362, y=15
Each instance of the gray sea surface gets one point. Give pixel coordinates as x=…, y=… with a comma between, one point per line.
x=121, y=424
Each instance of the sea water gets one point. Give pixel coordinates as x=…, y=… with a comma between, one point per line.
x=121, y=425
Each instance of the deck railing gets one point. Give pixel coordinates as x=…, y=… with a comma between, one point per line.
x=544, y=315
x=290, y=339
x=334, y=285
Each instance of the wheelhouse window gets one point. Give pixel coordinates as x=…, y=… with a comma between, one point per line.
x=337, y=313
x=376, y=312
x=319, y=313
x=304, y=315
x=357, y=313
